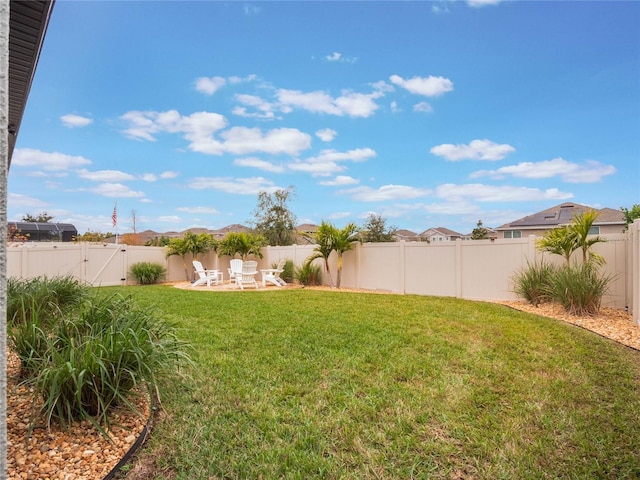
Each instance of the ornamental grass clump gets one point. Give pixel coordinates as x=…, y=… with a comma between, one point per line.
x=308, y=274
x=47, y=297
x=534, y=282
x=147, y=273
x=579, y=288
x=98, y=356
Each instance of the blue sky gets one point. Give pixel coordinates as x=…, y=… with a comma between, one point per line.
x=427, y=113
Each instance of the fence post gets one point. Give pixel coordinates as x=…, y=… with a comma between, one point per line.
x=458, y=267
x=634, y=240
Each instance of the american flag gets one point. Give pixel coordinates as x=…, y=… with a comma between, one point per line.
x=114, y=216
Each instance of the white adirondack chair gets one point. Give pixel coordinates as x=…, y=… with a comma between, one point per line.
x=235, y=268
x=248, y=275
x=206, y=276
x=272, y=275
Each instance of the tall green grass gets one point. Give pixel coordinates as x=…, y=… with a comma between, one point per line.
x=91, y=352
x=306, y=384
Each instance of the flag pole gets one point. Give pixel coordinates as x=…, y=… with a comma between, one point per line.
x=114, y=219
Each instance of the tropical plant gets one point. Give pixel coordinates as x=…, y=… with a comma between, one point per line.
x=581, y=226
x=243, y=244
x=323, y=238
x=375, y=230
x=559, y=241
x=342, y=242
x=273, y=218
x=308, y=274
x=147, y=273
x=191, y=244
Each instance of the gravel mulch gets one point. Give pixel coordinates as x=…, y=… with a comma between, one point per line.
x=82, y=453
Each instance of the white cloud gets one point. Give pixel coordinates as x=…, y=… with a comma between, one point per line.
x=248, y=78
x=116, y=190
x=423, y=107
x=72, y=121
x=105, y=175
x=29, y=157
x=476, y=150
x=259, y=164
x=19, y=200
x=339, y=215
x=240, y=186
x=243, y=140
x=385, y=193
x=351, y=104
x=149, y=177
x=482, y=3
x=427, y=86
x=340, y=180
x=394, y=107
x=490, y=193
x=169, y=219
x=589, y=172
x=326, y=163
x=199, y=129
x=265, y=109
x=251, y=9
x=198, y=210
x=209, y=85
x=326, y=134
x=168, y=174
x=338, y=57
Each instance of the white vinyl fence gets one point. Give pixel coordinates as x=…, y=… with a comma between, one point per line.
x=475, y=270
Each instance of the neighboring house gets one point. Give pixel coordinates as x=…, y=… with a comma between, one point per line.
x=407, y=236
x=608, y=221
x=43, y=231
x=440, y=234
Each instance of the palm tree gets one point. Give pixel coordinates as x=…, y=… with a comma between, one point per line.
x=343, y=242
x=559, y=241
x=581, y=225
x=243, y=244
x=323, y=237
x=192, y=244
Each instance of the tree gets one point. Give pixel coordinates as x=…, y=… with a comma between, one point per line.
x=90, y=236
x=323, y=238
x=375, y=230
x=581, y=226
x=243, y=244
x=42, y=217
x=559, y=241
x=569, y=238
x=131, y=239
x=480, y=232
x=631, y=215
x=343, y=242
x=192, y=244
x=273, y=219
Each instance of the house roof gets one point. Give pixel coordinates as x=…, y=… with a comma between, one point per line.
x=28, y=21
x=441, y=230
x=563, y=215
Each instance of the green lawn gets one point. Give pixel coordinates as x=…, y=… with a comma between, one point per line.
x=309, y=384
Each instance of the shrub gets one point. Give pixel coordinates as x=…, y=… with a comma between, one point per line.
x=534, y=282
x=580, y=288
x=147, y=273
x=46, y=297
x=308, y=274
x=289, y=271
x=97, y=357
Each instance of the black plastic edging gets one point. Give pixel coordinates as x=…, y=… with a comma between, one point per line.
x=134, y=448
